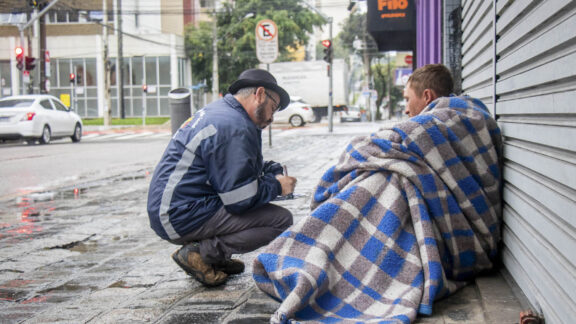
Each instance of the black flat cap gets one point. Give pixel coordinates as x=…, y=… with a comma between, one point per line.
x=260, y=78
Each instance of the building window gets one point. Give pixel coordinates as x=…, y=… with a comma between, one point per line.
x=62, y=16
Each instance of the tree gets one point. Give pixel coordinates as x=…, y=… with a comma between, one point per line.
x=236, y=24
x=383, y=82
x=354, y=28
x=378, y=76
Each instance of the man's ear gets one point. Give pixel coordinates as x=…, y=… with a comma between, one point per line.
x=260, y=96
x=429, y=95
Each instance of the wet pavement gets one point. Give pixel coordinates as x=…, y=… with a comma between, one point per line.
x=85, y=253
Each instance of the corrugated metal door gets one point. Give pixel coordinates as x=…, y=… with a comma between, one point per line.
x=528, y=79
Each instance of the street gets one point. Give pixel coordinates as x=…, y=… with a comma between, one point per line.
x=83, y=252
x=29, y=168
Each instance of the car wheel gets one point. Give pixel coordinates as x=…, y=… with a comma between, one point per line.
x=296, y=121
x=46, y=135
x=77, y=136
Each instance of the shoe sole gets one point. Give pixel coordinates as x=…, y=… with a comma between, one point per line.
x=194, y=273
x=229, y=272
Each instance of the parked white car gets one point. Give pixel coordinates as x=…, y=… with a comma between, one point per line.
x=37, y=117
x=297, y=113
x=351, y=113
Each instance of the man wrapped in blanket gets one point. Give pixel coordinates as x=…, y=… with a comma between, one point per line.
x=408, y=215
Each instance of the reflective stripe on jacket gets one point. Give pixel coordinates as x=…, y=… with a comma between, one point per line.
x=213, y=160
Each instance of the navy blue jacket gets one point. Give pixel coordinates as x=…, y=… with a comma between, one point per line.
x=213, y=160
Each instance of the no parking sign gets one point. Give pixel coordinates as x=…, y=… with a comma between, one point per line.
x=266, y=41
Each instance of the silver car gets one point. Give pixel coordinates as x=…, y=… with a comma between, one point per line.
x=37, y=117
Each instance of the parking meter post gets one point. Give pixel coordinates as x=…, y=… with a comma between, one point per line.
x=179, y=100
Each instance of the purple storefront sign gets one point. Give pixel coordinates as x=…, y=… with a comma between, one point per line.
x=428, y=32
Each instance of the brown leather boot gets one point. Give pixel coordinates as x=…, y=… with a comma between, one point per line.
x=189, y=259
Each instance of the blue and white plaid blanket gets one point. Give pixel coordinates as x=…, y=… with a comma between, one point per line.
x=406, y=216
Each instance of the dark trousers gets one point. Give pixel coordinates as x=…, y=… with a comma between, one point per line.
x=225, y=234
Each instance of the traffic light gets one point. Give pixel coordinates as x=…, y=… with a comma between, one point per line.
x=145, y=88
x=30, y=65
x=327, y=50
x=72, y=77
x=19, y=58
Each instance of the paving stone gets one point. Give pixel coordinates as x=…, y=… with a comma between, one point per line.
x=127, y=315
x=192, y=317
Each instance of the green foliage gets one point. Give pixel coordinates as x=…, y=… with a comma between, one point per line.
x=383, y=75
x=236, y=37
x=354, y=28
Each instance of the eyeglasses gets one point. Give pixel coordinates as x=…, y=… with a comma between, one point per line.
x=274, y=101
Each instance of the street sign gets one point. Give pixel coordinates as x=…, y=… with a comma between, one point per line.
x=401, y=76
x=408, y=59
x=266, y=41
x=65, y=98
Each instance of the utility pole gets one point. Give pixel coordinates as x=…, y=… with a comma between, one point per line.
x=119, y=59
x=42, y=57
x=215, y=79
x=105, y=58
x=330, y=96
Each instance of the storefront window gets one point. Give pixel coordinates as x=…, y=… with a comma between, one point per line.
x=164, y=68
x=137, y=70
x=90, y=73
x=78, y=70
x=151, y=77
x=5, y=79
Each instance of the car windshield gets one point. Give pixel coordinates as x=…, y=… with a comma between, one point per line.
x=12, y=103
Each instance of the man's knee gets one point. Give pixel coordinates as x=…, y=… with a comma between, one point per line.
x=284, y=217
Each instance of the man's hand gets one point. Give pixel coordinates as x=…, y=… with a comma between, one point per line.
x=288, y=184
x=272, y=167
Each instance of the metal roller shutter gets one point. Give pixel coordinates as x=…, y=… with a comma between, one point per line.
x=528, y=79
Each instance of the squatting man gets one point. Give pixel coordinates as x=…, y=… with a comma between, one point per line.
x=211, y=190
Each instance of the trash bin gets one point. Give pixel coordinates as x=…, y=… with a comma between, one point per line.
x=180, y=111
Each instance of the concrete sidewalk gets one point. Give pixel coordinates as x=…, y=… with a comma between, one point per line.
x=86, y=254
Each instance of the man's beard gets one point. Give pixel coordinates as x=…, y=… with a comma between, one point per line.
x=260, y=114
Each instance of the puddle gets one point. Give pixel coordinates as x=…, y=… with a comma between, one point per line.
x=68, y=287
x=11, y=294
x=119, y=284
x=24, y=215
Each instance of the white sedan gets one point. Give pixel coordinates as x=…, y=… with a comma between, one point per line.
x=297, y=113
x=37, y=117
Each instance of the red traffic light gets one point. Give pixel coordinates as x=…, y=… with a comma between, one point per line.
x=72, y=77
x=19, y=57
x=326, y=43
